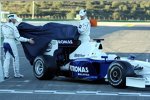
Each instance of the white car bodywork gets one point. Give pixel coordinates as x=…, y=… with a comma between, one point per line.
x=91, y=50
x=144, y=74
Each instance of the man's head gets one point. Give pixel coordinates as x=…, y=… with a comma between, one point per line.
x=82, y=13
x=13, y=18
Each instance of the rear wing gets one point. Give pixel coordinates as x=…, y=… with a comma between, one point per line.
x=98, y=40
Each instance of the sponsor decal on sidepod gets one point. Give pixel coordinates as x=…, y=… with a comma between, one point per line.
x=79, y=69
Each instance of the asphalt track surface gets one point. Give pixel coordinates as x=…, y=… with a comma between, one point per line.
x=61, y=88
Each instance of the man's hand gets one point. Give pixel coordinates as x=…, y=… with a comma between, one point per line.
x=31, y=41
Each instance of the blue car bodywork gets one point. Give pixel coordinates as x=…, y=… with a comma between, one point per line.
x=89, y=69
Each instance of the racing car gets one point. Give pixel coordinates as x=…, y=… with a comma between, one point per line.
x=87, y=61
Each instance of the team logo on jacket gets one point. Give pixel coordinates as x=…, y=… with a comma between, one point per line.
x=79, y=69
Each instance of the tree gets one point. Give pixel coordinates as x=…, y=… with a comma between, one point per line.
x=107, y=7
x=143, y=4
x=101, y=2
x=57, y=4
x=116, y=15
x=78, y=8
x=123, y=8
x=28, y=8
x=5, y=3
x=134, y=8
x=37, y=9
x=148, y=12
x=115, y=4
x=71, y=15
x=44, y=4
x=89, y=4
x=147, y=4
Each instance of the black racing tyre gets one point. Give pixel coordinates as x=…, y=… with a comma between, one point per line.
x=117, y=73
x=42, y=70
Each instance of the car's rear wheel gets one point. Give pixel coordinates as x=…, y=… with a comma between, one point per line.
x=42, y=70
x=117, y=73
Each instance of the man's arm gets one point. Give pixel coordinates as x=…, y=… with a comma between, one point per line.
x=18, y=37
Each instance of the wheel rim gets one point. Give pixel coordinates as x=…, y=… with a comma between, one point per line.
x=115, y=74
x=39, y=67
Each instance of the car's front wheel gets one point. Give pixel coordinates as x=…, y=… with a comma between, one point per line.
x=117, y=73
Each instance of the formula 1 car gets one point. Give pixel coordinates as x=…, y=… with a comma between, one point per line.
x=87, y=61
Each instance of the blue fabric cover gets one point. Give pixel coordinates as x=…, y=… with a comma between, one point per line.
x=42, y=35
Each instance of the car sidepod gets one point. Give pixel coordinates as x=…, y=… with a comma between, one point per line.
x=89, y=69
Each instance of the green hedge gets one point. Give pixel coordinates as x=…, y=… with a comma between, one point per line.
x=48, y=20
x=74, y=20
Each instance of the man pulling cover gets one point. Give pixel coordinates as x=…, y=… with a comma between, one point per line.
x=11, y=35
